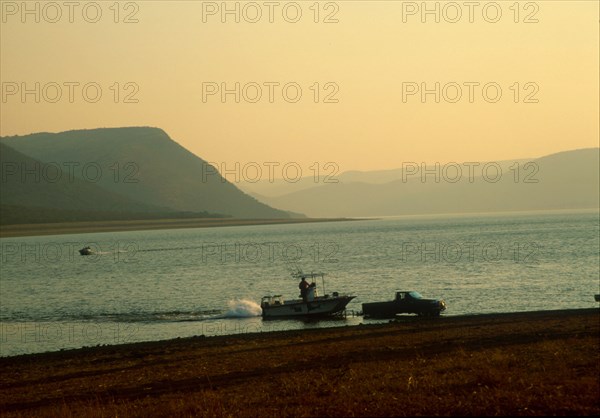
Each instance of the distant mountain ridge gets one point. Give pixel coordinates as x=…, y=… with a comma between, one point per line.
x=565, y=180
x=141, y=173
x=270, y=188
x=129, y=170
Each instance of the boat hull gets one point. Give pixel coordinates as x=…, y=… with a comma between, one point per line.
x=326, y=306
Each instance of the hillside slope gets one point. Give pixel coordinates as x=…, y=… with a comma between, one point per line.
x=566, y=180
x=35, y=192
x=144, y=165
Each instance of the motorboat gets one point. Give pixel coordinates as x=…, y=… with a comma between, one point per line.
x=312, y=305
x=85, y=251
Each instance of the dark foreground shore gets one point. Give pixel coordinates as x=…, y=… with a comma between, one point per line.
x=536, y=363
x=141, y=225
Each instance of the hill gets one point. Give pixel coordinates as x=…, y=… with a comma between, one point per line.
x=566, y=180
x=142, y=166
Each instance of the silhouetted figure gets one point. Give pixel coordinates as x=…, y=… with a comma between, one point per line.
x=304, y=289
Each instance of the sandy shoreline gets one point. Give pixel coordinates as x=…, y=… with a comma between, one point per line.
x=534, y=363
x=142, y=225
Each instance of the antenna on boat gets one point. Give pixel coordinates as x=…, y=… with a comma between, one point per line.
x=295, y=271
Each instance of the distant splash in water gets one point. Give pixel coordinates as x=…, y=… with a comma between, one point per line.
x=242, y=308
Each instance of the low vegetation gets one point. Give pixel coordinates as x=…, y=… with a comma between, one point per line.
x=538, y=363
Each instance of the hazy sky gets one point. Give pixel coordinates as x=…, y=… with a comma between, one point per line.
x=515, y=79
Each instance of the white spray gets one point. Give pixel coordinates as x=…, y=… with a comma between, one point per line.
x=242, y=308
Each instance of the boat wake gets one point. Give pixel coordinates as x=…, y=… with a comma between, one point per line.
x=119, y=317
x=237, y=308
x=242, y=308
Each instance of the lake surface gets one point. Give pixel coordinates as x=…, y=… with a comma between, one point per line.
x=154, y=285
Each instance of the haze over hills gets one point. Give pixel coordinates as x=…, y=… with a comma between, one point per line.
x=566, y=180
x=330, y=175
x=133, y=170
x=141, y=173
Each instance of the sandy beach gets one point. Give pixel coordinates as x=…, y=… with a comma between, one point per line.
x=535, y=363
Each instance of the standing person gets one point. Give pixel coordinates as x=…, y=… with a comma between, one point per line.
x=304, y=289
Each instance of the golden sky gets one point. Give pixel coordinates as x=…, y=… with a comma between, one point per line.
x=360, y=67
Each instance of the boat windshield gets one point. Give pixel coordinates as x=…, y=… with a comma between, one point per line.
x=415, y=295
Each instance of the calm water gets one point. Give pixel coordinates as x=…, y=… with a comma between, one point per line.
x=153, y=285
